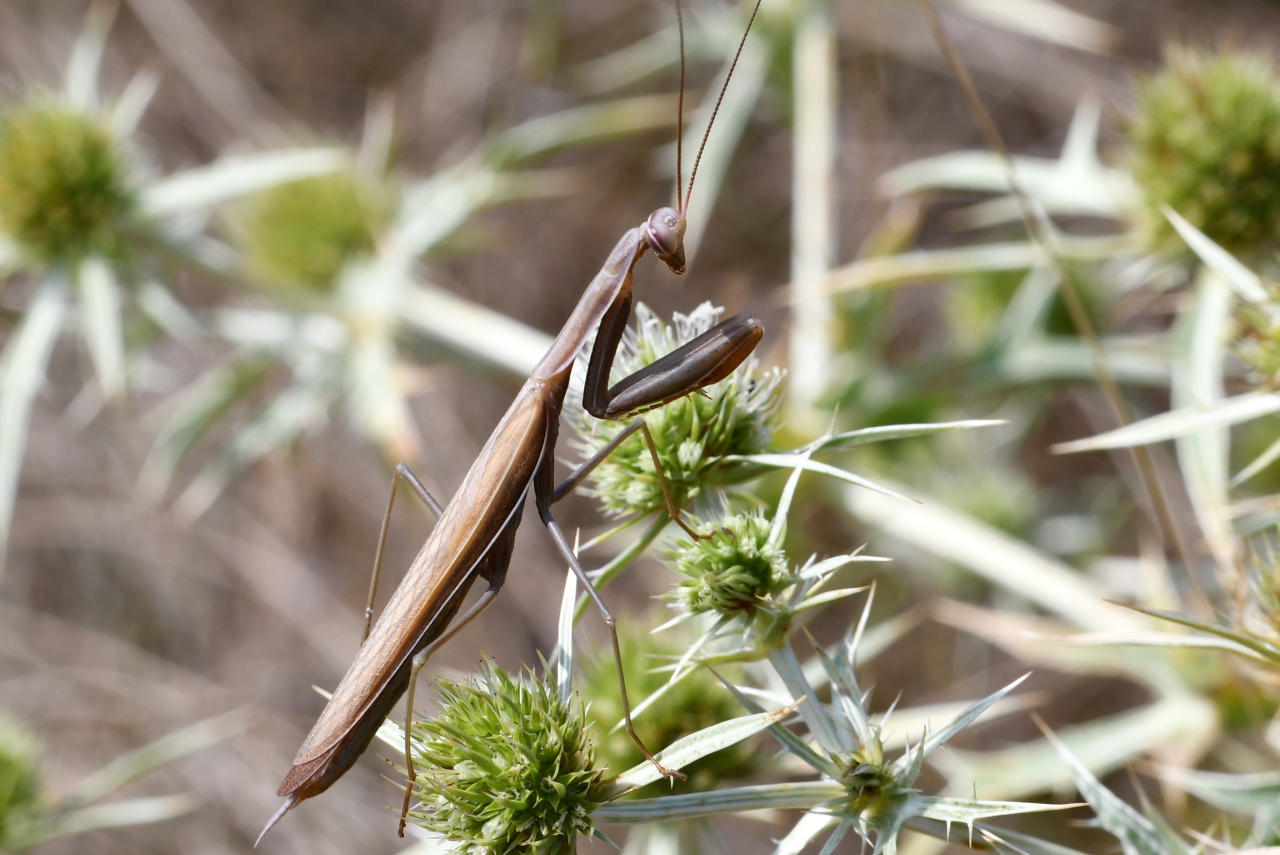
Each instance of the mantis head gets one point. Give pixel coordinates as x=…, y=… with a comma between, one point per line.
x=665, y=232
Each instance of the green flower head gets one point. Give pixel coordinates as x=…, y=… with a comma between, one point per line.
x=64, y=184
x=692, y=434
x=303, y=233
x=1206, y=142
x=734, y=570
x=507, y=767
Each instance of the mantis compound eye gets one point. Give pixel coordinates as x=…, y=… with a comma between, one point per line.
x=665, y=232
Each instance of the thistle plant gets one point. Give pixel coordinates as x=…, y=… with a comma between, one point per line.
x=94, y=232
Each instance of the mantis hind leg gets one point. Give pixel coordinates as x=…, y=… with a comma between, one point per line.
x=493, y=567
x=402, y=472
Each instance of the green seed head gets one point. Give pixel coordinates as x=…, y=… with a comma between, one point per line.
x=695, y=702
x=64, y=184
x=19, y=774
x=733, y=571
x=302, y=234
x=507, y=767
x=1206, y=142
x=691, y=434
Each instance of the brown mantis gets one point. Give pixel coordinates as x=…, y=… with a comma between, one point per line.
x=475, y=533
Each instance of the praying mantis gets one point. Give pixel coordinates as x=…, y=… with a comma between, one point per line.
x=475, y=533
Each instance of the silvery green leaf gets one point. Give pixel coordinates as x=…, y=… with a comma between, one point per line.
x=375, y=401
x=198, y=409
x=564, y=636
x=804, y=832
x=1141, y=360
x=1242, y=280
x=798, y=462
x=101, y=323
x=909, y=723
x=1258, y=645
x=684, y=751
x=474, y=331
x=81, y=82
x=22, y=369
x=154, y=755
x=1164, y=639
x=234, y=176
x=885, y=433
x=1101, y=745
x=967, y=811
x=1060, y=187
x=1047, y=21
x=943, y=734
x=1138, y=834
x=1198, y=381
x=141, y=811
x=548, y=134
x=133, y=102
x=825, y=597
x=925, y=265
x=765, y=796
x=169, y=313
x=815, y=716
x=1261, y=462
x=434, y=209
x=830, y=565
x=1238, y=793
x=295, y=410
x=1009, y=842
x=789, y=740
x=1171, y=425
x=1010, y=563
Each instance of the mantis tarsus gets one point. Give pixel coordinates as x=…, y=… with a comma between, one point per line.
x=476, y=530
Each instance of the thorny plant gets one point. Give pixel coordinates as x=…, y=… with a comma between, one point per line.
x=751, y=604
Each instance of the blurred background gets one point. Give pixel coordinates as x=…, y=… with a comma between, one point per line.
x=196, y=502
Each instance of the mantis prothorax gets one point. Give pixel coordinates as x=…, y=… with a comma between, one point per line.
x=476, y=530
